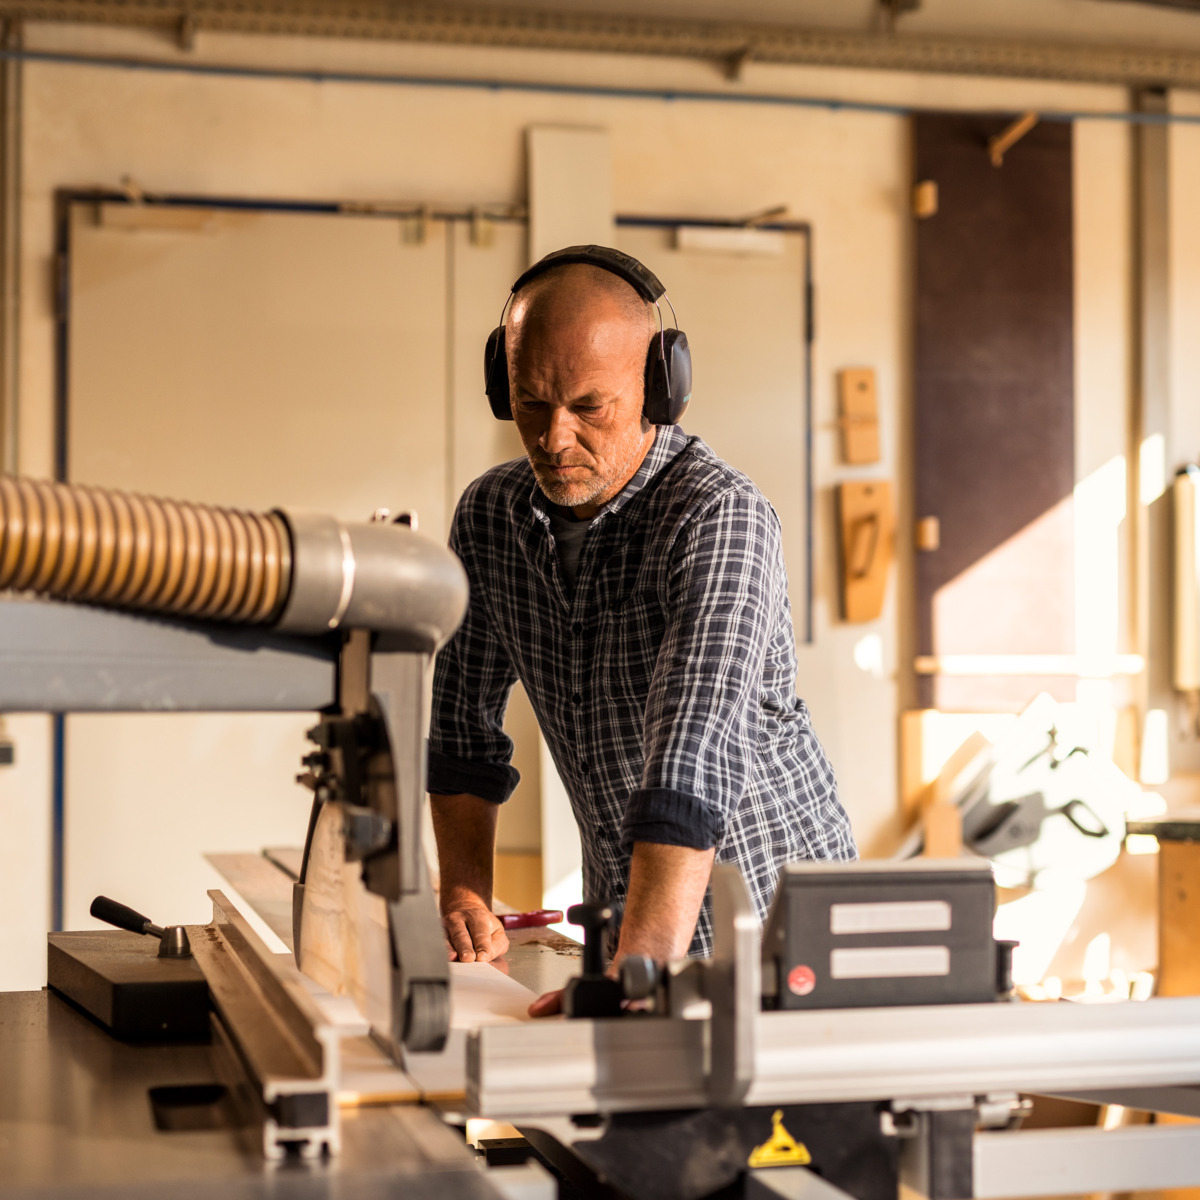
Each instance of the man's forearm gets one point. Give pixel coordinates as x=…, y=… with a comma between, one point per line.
x=666, y=888
x=465, y=829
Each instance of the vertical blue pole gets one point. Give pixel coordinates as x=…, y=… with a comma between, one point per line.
x=58, y=822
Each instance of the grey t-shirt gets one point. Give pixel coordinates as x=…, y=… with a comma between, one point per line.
x=568, y=536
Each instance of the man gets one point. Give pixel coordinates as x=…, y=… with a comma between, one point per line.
x=635, y=584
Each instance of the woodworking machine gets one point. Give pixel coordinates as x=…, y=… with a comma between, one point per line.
x=136, y=604
x=866, y=1035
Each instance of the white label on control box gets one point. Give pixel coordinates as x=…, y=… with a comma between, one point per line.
x=889, y=962
x=899, y=916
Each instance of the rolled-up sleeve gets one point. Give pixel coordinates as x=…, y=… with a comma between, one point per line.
x=472, y=680
x=702, y=714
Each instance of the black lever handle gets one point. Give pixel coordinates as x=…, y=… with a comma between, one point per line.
x=123, y=917
x=173, y=941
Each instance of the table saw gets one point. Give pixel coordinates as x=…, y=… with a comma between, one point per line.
x=865, y=1037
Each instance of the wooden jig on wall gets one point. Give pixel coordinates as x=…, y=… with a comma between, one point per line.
x=866, y=528
x=858, y=415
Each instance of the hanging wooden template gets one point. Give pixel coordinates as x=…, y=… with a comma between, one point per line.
x=867, y=533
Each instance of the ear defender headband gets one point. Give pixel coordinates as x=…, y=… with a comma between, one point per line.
x=668, y=359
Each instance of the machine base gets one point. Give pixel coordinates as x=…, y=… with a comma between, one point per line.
x=703, y=1154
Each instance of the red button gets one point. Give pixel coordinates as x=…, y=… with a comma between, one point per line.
x=801, y=980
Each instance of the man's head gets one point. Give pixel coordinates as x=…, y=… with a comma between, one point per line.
x=576, y=340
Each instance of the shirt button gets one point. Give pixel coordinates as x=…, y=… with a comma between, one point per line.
x=577, y=699
x=577, y=627
x=585, y=767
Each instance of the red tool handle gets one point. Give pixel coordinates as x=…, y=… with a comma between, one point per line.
x=531, y=920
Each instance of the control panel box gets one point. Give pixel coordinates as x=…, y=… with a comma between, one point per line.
x=869, y=934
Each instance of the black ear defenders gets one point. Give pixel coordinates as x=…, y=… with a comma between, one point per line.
x=668, y=359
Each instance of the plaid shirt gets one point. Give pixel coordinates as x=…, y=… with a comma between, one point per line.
x=664, y=683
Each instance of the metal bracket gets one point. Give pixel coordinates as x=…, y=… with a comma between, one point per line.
x=734, y=987
x=420, y=972
x=1004, y=141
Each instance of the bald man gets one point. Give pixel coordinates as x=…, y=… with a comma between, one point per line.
x=635, y=584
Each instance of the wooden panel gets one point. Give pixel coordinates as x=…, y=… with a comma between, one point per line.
x=1179, y=918
x=1178, y=945
x=994, y=404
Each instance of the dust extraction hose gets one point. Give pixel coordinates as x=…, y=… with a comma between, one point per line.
x=137, y=552
x=299, y=572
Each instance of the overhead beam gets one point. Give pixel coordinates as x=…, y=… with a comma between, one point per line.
x=720, y=42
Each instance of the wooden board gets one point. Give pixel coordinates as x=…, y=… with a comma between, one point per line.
x=1179, y=918
x=264, y=887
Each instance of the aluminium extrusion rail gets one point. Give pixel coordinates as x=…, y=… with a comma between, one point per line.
x=281, y=1057
x=630, y=1064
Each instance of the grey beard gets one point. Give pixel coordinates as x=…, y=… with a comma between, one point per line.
x=562, y=493
x=570, y=495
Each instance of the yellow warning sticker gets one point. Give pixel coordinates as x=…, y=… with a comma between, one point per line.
x=780, y=1149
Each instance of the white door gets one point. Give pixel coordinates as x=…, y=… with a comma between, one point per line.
x=256, y=359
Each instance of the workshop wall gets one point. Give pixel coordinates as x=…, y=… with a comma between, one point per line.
x=846, y=172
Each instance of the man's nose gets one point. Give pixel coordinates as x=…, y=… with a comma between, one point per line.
x=559, y=434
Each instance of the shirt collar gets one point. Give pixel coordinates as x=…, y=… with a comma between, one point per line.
x=669, y=440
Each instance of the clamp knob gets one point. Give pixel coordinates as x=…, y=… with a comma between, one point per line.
x=640, y=977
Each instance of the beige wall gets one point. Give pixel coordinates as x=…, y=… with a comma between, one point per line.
x=846, y=172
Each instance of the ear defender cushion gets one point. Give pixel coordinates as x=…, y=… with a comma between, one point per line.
x=668, y=378
x=495, y=375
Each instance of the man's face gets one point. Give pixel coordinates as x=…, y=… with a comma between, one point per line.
x=576, y=384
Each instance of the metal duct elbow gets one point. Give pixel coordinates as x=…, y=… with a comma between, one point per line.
x=297, y=572
x=374, y=576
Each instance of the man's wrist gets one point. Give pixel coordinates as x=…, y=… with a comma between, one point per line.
x=461, y=897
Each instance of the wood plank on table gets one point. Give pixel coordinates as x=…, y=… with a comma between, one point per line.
x=263, y=886
x=287, y=858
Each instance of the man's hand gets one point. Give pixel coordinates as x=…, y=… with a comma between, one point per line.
x=474, y=933
x=548, y=1005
